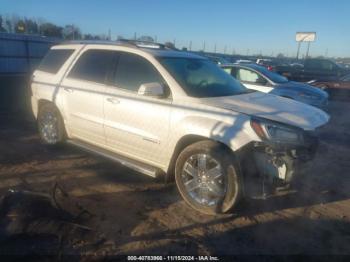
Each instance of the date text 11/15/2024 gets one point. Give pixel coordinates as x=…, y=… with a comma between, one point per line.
x=173, y=258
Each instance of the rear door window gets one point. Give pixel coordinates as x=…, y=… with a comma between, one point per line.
x=93, y=65
x=327, y=65
x=313, y=64
x=54, y=60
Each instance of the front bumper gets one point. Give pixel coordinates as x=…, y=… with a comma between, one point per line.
x=303, y=152
x=268, y=166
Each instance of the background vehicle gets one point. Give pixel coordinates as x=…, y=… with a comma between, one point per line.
x=268, y=63
x=167, y=112
x=243, y=61
x=218, y=60
x=259, y=78
x=313, y=69
x=337, y=89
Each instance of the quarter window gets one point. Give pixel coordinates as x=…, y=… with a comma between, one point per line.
x=93, y=65
x=133, y=71
x=54, y=60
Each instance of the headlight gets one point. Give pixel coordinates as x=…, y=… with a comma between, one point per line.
x=275, y=132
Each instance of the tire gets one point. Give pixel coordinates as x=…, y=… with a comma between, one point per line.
x=228, y=184
x=50, y=125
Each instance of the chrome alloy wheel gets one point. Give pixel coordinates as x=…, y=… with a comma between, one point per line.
x=204, y=179
x=49, y=127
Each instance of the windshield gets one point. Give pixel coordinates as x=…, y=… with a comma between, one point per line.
x=202, y=78
x=274, y=77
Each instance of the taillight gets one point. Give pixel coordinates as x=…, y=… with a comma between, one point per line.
x=270, y=68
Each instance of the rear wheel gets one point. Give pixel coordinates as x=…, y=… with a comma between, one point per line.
x=50, y=125
x=208, y=178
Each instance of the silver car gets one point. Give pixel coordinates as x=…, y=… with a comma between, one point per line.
x=259, y=78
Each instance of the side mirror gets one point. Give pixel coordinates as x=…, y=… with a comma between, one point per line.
x=153, y=89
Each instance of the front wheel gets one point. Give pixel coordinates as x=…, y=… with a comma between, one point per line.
x=208, y=177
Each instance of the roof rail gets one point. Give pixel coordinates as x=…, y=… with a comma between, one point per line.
x=124, y=42
x=145, y=44
x=85, y=42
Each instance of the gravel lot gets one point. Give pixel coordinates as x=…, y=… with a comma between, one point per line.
x=128, y=213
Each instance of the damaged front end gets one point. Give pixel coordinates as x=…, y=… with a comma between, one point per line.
x=273, y=162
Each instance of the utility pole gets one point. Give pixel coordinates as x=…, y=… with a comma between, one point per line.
x=326, y=53
x=174, y=42
x=204, y=46
x=225, y=50
x=135, y=36
x=109, y=35
x=155, y=38
x=298, y=49
x=215, y=48
x=190, y=46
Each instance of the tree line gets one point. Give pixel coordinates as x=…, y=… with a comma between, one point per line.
x=39, y=26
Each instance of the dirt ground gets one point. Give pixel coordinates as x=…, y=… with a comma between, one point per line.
x=132, y=214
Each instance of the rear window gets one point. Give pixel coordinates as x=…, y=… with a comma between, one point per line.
x=54, y=59
x=93, y=65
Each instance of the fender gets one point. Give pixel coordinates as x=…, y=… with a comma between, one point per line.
x=235, y=132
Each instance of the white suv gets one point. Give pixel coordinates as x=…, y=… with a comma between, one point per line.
x=163, y=111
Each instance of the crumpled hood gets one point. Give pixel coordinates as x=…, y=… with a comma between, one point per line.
x=272, y=107
x=305, y=88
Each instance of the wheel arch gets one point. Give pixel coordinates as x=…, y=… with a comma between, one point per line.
x=184, y=142
x=43, y=101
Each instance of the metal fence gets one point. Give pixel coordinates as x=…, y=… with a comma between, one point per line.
x=20, y=54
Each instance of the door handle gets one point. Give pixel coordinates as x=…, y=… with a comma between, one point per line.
x=113, y=100
x=69, y=90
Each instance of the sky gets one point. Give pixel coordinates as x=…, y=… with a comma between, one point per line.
x=243, y=26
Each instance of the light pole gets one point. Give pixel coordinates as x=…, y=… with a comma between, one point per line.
x=307, y=51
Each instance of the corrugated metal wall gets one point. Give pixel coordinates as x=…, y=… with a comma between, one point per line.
x=20, y=54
